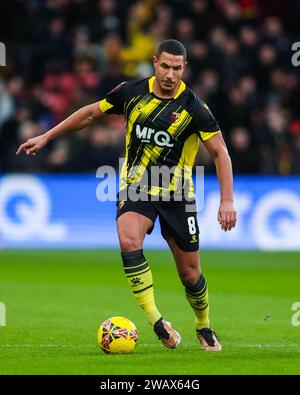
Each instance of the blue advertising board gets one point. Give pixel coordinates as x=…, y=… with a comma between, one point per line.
x=64, y=211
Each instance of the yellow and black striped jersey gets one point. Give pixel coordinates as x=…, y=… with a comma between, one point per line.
x=160, y=133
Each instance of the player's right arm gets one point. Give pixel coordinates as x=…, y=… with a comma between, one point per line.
x=85, y=116
x=211, y=136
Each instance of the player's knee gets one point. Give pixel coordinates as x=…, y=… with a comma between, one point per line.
x=190, y=277
x=129, y=244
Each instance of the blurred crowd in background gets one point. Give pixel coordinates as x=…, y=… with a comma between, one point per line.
x=64, y=54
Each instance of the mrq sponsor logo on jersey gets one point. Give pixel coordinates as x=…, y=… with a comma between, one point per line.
x=158, y=137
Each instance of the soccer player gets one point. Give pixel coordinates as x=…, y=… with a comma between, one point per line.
x=164, y=122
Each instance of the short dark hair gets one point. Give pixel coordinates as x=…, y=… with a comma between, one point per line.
x=173, y=47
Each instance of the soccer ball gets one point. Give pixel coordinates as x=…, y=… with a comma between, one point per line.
x=117, y=335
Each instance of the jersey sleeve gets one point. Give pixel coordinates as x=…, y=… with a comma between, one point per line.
x=205, y=123
x=115, y=100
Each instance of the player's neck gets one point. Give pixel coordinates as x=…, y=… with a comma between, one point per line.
x=158, y=91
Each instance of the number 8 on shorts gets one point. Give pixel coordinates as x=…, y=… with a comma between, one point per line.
x=192, y=225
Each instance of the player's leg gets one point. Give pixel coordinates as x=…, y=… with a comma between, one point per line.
x=179, y=227
x=188, y=268
x=132, y=228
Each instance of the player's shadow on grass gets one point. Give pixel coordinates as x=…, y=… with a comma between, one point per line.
x=139, y=351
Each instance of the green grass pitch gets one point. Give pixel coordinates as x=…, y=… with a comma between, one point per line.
x=55, y=301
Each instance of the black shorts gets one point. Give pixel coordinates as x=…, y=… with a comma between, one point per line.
x=178, y=220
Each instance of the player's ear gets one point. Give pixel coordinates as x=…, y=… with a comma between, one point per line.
x=154, y=60
x=184, y=65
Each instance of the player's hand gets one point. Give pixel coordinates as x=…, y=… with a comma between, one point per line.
x=227, y=216
x=33, y=146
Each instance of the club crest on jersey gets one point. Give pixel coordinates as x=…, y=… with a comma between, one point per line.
x=149, y=135
x=175, y=116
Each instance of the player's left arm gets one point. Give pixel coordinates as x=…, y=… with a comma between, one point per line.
x=217, y=148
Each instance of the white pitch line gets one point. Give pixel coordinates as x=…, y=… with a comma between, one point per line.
x=47, y=345
x=228, y=346
x=263, y=345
